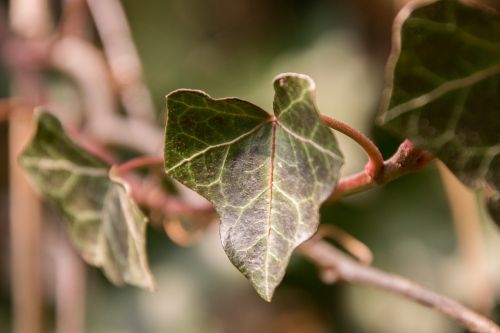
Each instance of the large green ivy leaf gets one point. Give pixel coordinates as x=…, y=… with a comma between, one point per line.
x=104, y=223
x=266, y=174
x=444, y=89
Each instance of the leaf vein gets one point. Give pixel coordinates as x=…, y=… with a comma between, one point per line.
x=443, y=89
x=54, y=165
x=187, y=159
x=307, y=141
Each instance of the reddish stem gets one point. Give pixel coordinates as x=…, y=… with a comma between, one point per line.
x=151, y=195
x=139, y=162
x=5, y=106
x=89, y=144
x=356, y=183
x=407, y=159
x=8, y=105
x=375, y=160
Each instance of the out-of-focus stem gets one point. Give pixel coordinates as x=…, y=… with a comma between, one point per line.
x=467, y=223
x=151, y=195
x=70, y=287
x=25, y=233
x=74, y=19
x=122, y=56
x=30, y=18
x=5, y=106
x=85, y=64
x=327, y=257
x=138, y=162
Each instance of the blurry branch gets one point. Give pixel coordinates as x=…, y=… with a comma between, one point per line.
x=355, y=247
x=346, y=269
x=86, y=65
x=467, y=223
x=407, y=159
x=180, y=235
x=83, y=62
x=74, y=19
x=5, y=107
x=25, y=233
x=70, y=285
x=151, y=195
x=139, y=162
x=122, y=57
x=29, y=20
x=14, y=104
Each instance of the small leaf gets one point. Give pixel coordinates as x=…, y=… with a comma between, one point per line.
x=105, y=224
x=266, y=174
x=444, y=89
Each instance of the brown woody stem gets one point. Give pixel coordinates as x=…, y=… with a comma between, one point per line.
x=331, y=260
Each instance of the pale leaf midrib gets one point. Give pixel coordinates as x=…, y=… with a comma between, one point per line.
x=270, y=207
x=46, y=164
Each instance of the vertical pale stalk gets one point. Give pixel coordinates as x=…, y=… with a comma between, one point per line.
x=30, y=18
x=122, y=56
x=70, y=288
x=466, y=218
x=25, y=233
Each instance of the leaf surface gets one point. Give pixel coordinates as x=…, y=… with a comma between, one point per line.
x=265, y=174
x=444, y=89
x=105, y=224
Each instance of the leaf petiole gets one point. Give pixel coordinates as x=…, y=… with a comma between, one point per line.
x=375, y=160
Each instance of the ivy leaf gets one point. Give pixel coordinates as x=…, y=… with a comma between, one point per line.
x=106, y=226
x=444, y=89
x=265, y=174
